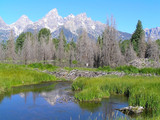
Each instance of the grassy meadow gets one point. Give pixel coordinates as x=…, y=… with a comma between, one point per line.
x=16, y=75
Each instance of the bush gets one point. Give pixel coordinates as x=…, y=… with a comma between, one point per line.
x=150, y=71
x=128, y=69
x=105, y=68
x=74, y=62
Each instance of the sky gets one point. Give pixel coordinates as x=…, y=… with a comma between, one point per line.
x=126, y=12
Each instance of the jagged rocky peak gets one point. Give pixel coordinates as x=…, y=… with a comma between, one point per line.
x=53, y=21
x=20, y=24
x=52, y=16
x=82, y=16
x=153, y=33
x=71, y=16
x=23, y=19
x=53, y=12
x=1, y=20
x=2, y=23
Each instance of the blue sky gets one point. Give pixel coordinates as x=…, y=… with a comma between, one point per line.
x=126, y=12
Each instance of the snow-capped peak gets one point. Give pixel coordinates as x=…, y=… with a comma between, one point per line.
x=71, y=16
x=83, y=15
x=2, y=22
x=3, y=25
x=53, y=12
x=20, y=24
x=24, y=17
x=23, y=20
x=53, y=21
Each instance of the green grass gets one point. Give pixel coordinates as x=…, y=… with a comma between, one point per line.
x=41, y=66
x=142, y=91
x=16, y=75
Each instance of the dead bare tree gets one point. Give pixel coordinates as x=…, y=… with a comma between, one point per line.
x=85, y=50
x=152, y=51
x=11, y=55
x=130, y=54
x=27, y=49
x=111, y=53
x=142, y=46
x=60, y=52
x=2, y=55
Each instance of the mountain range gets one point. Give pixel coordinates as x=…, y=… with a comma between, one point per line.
x=71, y=25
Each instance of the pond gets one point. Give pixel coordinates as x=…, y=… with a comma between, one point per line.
x=55, y=101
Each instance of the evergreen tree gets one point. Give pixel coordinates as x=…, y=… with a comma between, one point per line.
x=136, y=36
x=44, y=32
x=20, y=40
x=124, y=45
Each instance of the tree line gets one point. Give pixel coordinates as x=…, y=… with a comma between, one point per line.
x=85, y=52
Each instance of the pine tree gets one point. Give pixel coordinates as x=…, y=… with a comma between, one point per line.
x=136, y=36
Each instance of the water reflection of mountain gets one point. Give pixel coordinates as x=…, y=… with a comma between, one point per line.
x=61, y=91
x=51, y=93
x=52, y=96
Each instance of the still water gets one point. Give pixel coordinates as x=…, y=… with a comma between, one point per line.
x=55, y=101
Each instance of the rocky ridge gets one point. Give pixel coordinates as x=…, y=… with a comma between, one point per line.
x=55, y=22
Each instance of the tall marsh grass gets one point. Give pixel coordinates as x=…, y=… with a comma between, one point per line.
x=142, y=91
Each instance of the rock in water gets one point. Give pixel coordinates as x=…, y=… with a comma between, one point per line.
x=132, y=110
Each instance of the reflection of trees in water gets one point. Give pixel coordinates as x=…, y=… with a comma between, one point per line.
x=106, y=108
x=24, y=91
x=1, y=98
x=109, y=106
